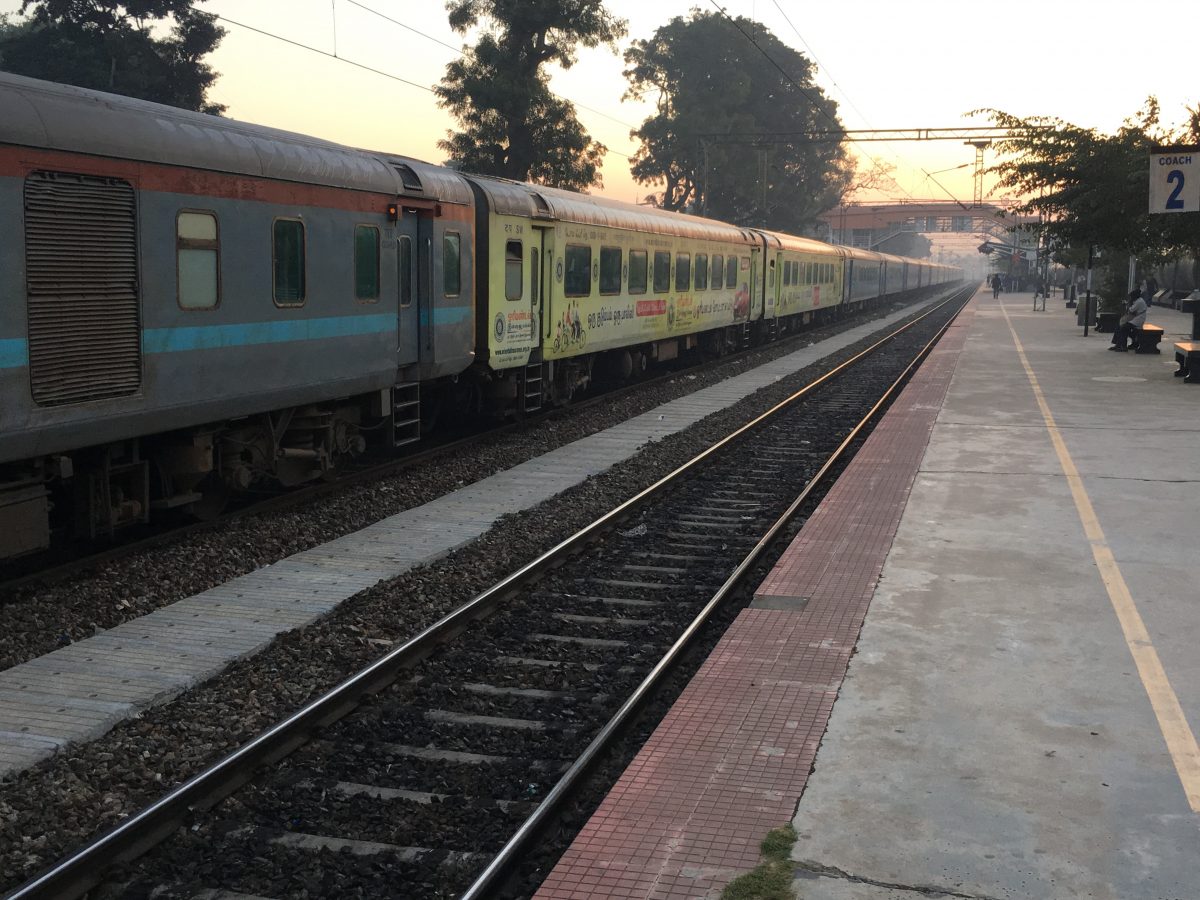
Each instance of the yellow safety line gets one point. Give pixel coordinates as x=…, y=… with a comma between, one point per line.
x=1181, y=742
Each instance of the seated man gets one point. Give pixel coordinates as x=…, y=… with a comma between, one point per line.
x=1135, y=317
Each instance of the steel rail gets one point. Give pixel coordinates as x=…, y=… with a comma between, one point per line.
x=488, y=880
x=76, y=874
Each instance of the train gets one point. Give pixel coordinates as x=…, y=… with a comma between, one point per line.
x=191, y=306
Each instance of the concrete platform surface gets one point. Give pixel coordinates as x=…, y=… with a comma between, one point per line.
x=1018, y=720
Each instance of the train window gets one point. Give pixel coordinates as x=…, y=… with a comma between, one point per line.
x=637, y=271
x=701, y=271
x=288, y=262
x=683, y=271
x=731, y=268
x=610, y=270
x=578, y=281
x=771, y=273
x=718, y=271
x=451, y=263
x=513, y=270
x=662, y=271
x=197, y=260
x=788, y=268
x=366, y=263
x=406, y=271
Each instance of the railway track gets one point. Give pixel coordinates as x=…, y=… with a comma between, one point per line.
x=432, y=772
x=61, y=563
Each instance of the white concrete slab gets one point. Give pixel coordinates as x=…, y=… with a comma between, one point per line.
x=993, y=738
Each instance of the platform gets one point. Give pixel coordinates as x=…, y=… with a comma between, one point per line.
x=1018, y=537
x=81, y=691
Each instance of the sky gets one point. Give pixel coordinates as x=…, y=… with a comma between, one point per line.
x=888, y=64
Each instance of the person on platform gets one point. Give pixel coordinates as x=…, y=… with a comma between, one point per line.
x=996, y=286
x=1135, y=317
x=1149, y=289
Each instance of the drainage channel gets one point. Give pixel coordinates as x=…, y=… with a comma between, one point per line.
x=431, y=772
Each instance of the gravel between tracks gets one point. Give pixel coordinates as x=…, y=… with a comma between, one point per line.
x=49, y=809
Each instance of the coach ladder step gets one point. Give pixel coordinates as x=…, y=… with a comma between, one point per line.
x=531, y=387
x=406, y=413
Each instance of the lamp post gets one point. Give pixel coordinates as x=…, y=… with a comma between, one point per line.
x=1087, y=296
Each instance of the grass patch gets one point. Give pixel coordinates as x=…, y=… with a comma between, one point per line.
x=772, y=879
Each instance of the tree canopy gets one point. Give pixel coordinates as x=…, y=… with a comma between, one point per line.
x=715, y=93
x=1093, y=188
x=512, y=125
x=111, y=46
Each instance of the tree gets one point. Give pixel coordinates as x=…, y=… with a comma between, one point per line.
x=715, y=93
x=1092, y=188
x=111, y=46
x=512, y=124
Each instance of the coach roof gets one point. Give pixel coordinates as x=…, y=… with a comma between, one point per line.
x=62, y=117
x=512, y=198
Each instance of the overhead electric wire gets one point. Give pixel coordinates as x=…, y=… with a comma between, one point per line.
x=375, y=71
x=841, y=90
x=324, y=53
x=462, y=52
x=793, y=83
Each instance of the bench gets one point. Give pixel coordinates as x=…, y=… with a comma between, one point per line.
x=1192, y=305
x=1187, y=354
x=1146, y=338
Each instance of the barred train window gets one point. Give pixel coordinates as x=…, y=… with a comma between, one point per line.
x=638, y=265
x=731, y=268
x=514, y=274
x=662, y=271
x=366, y=263
x=578, y=281
x=451, y=263
x=197, y=260
x=288, y=262
x=718, y=271
x=701, y=271
x=610, y=270
x=683, y=271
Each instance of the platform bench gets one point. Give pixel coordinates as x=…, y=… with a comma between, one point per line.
x=1187, y=354
x=1146, y=338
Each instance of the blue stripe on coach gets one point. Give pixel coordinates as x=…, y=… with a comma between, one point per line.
x=14, y=353
x=211, y=337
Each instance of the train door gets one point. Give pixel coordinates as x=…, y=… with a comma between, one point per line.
x=409, y=250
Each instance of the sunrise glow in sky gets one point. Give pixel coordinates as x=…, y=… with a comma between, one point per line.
x=888, y=64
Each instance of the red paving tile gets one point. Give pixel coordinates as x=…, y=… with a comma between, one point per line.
x=731, y=758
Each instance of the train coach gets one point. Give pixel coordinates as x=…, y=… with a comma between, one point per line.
x=190, y=305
